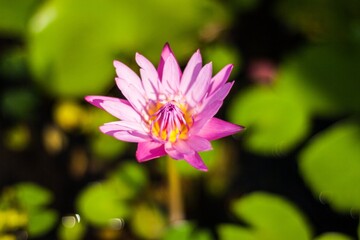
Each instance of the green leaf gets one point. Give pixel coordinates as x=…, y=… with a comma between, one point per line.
x=231, y=232
x=330, y=165
x=128, y=179
x=41, y=221
x=323, y=79
x=32, y=196
x=106, y=147
x=99, y=203
x=134, y=174
x=202, y=235
x=333, y=236
x=272, y=217
x=221, y=55
x=72, y=44
x=275, y=124
x=14, y=15
x=19, y=103
x=147, y=214
x=180, y=231
x=75, y=232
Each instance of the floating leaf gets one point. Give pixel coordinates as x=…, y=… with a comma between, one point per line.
x=275, y=124
x=19, y=103
x=231, y=232
x=75, y=232
x=14, y=15
x=128, y=179
x=41, y=221
x=99, y=203
x=32, y=196
x=224, y=54
x=147, y=222
x=333, y=236
x=202, y=235
x=180, y=231
x=323, y=79
x=105, y=147
x=71, y=54
x=271, y=217
x=330, y=164
x=17, y=138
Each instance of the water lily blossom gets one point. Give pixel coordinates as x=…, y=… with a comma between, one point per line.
x=167, y=111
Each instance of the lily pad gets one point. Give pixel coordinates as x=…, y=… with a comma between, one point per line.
x=330, y=165
x=275, y=124
x=270, y=218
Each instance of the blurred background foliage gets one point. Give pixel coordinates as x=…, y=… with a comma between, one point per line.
x=293, y=174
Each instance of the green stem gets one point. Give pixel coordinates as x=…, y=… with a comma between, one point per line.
x=176, y=207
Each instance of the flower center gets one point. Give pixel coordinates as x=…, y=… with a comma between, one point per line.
x=169, y=123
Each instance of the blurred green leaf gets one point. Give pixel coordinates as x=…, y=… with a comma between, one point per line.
x=106, y=147
x=231, y=232
x=95, y=118
x=330, y=165
x=323, y=79
x=13, y=66
x=72, y=44
x=180, y=231
x=333, y=236
x=128, y=179
x=320, y=20
x=244, y=5
x=272, y=217
x=15, y=14
x=31, y=196
x=221, y=55
x=99, y=203
x=41, y=221
x=275, y=124
x=17, y=138
x=134, y=174
x=202, y=235
x=75, y=232
x=19, y=103
x=143, y=215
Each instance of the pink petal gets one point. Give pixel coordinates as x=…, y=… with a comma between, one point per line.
x=182, y=147
x=216, y=128
x=127, y=75
x=145, y=64
x=125, y=131
x=128, y=136
x=191, y=71
x=201, y=85
x=171, y=75
x=206, y=114
x=149, y=150
x=119, y=108
x=166, y=52
x=218, y=95
x=151, y=90
x=175, y=154
x=149, y=75
x=220, y=78
x=196, y=161
x=199, y=144
x=135, y=96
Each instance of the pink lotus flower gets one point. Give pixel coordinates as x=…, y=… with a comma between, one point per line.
x=168, y=111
